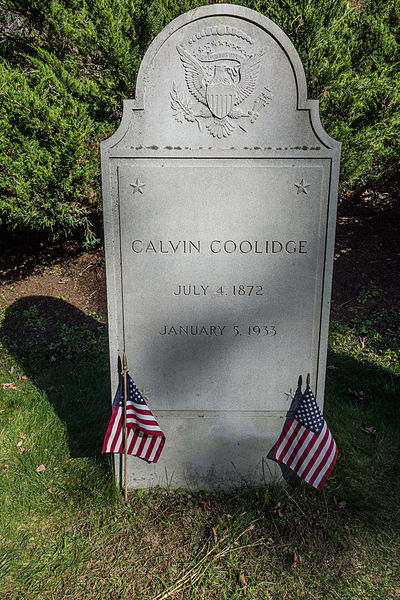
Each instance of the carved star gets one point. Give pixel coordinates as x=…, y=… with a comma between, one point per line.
x=302, y=187
x=137, y=186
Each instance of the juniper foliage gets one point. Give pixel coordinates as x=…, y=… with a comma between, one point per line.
x=66, y=65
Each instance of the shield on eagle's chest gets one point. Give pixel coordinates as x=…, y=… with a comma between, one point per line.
x=220, y=99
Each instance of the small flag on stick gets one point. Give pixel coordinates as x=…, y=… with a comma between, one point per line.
x=306, y=445
x=144, y=436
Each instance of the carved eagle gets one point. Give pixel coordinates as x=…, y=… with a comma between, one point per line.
x=226, y=87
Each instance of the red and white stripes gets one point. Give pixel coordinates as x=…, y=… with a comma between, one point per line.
x=310, y=455
x=145, y=438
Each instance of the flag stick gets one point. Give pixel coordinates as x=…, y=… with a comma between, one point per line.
x=308, y=379
x=126, y=429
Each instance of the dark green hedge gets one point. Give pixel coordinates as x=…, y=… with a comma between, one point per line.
x=66, y=65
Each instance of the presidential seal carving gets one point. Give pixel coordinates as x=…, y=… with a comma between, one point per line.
x=221, y=71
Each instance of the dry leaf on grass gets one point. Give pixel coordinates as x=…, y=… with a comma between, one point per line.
x=296, y=559
x=243, y=582
x=340, y=504
x=195, y=548
x=23, y=377
x=21, y=450
x=4, y=467
x=50, y=490
x=357, y=395
x=2, y=410
x=205, y=504
x=9, y=386
x=55, y=468
x=368, y=430
x=215, y=534
x=20, y=443
x=23, y=436
x=40, y=469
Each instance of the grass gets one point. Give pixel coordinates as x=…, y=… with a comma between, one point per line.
x=66, y=533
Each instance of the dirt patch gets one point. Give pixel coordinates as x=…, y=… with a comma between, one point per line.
x=367, y=259
x=54, y=299
x=60, y=271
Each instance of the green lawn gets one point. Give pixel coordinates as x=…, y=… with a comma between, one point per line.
x=67, y=534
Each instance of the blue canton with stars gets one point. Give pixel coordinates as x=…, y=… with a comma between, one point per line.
x=133, y=393
x=308, y=413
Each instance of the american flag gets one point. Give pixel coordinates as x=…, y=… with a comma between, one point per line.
x=306, y=445
x=145, y=438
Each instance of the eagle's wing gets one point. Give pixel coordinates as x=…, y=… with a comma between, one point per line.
x=194, y=75
x=249, y=70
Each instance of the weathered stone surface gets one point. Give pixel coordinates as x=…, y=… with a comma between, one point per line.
x=220, y=193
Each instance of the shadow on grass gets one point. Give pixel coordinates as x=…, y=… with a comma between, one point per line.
x=65, y=353
x=288, y=542
x=362, y=410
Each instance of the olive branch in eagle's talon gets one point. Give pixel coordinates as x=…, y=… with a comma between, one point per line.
x=183, y=108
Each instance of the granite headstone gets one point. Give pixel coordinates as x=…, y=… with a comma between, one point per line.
x=220, y=190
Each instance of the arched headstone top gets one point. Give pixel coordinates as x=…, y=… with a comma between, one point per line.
x=221, y=77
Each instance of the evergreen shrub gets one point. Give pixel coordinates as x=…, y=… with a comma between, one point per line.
x=66, y=65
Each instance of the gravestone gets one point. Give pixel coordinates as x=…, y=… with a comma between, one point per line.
x=220, y=190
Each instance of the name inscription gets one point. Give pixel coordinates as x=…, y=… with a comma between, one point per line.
x=220, y=246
